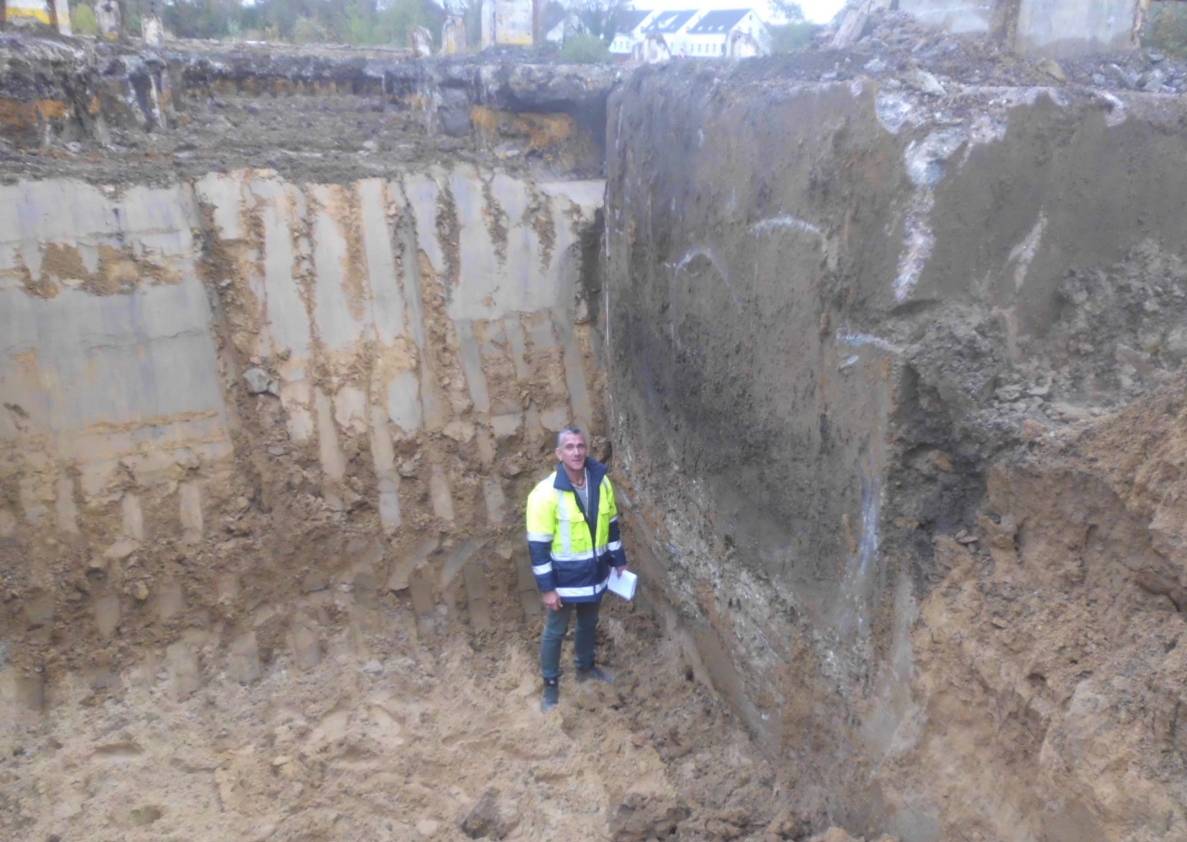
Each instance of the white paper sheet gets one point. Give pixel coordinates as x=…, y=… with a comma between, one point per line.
x=624, y=585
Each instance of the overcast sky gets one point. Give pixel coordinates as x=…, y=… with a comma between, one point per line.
x=817, y=10
x=821, y=10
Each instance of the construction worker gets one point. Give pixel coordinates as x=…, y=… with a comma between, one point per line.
x=574, y=542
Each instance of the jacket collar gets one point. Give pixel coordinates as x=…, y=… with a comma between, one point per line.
x=596, y=470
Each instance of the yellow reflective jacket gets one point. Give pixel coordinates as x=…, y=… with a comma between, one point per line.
x=572, y=550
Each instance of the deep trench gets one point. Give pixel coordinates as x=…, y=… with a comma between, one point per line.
x=889, y=386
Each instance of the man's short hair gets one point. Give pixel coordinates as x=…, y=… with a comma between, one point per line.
x=570, y=431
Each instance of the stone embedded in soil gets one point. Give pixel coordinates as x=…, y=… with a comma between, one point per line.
x=146, y=815
x=485, y=820
x=642, y=817
x=260, y=382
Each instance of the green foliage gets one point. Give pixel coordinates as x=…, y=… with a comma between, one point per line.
x=1166, y=28
x=584, y=49
x=309, y=31
x=600, y=17
x=82, y=20
x=393, y=23
x=200, y=18
x=302, y=21
x=792, y=37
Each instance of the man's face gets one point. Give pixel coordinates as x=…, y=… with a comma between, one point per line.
x=572, y=451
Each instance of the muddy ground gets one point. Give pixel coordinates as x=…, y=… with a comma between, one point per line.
x=400, y=733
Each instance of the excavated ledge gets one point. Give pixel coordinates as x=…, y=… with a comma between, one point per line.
x=115, y=114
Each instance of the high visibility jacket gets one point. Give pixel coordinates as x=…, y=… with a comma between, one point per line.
x=573, y=550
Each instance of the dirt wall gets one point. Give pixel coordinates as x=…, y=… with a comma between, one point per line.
x=831, y=309
x=230, y=391
x=285, y=337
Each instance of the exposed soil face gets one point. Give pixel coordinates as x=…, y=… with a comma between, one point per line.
x=1057, y=636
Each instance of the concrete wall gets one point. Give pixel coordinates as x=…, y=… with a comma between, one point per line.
x=108, y=352
x=959, y=16
x=1055, y=27
x=218, y=391
x=1068, y=27
x=829, y=306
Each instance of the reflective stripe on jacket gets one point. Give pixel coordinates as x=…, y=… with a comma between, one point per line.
x=572, y=550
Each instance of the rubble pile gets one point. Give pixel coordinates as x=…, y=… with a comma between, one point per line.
x=894, y=45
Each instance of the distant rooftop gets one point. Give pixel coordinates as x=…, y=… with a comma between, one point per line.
x=626, y=20
x=718, y=22
x=670, y=22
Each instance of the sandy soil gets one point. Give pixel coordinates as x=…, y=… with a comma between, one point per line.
x=399, y=733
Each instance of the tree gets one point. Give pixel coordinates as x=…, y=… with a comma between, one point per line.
x=471, y=13
x=796, y=33
x=191, y=18
x=552, y=14
x=350, y=21
x=82, y=20
x=1166, y=28
x=584, y=49
x=601, y=18
x=788, y=10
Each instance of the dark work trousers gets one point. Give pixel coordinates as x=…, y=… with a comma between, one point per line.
x=555, y=626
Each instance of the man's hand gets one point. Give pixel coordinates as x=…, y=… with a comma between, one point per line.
x=552, y=601
x=618, y=571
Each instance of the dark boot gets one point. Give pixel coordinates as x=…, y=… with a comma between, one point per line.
x=594, y=674
x=552, y=695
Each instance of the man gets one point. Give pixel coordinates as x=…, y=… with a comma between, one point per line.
x=574, y=541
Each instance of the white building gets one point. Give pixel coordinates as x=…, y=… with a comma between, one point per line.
x=693, y=33
x=711, y=34
x=665, y=28
x=630, y=26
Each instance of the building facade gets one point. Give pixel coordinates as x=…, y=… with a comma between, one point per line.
x=694, y=33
